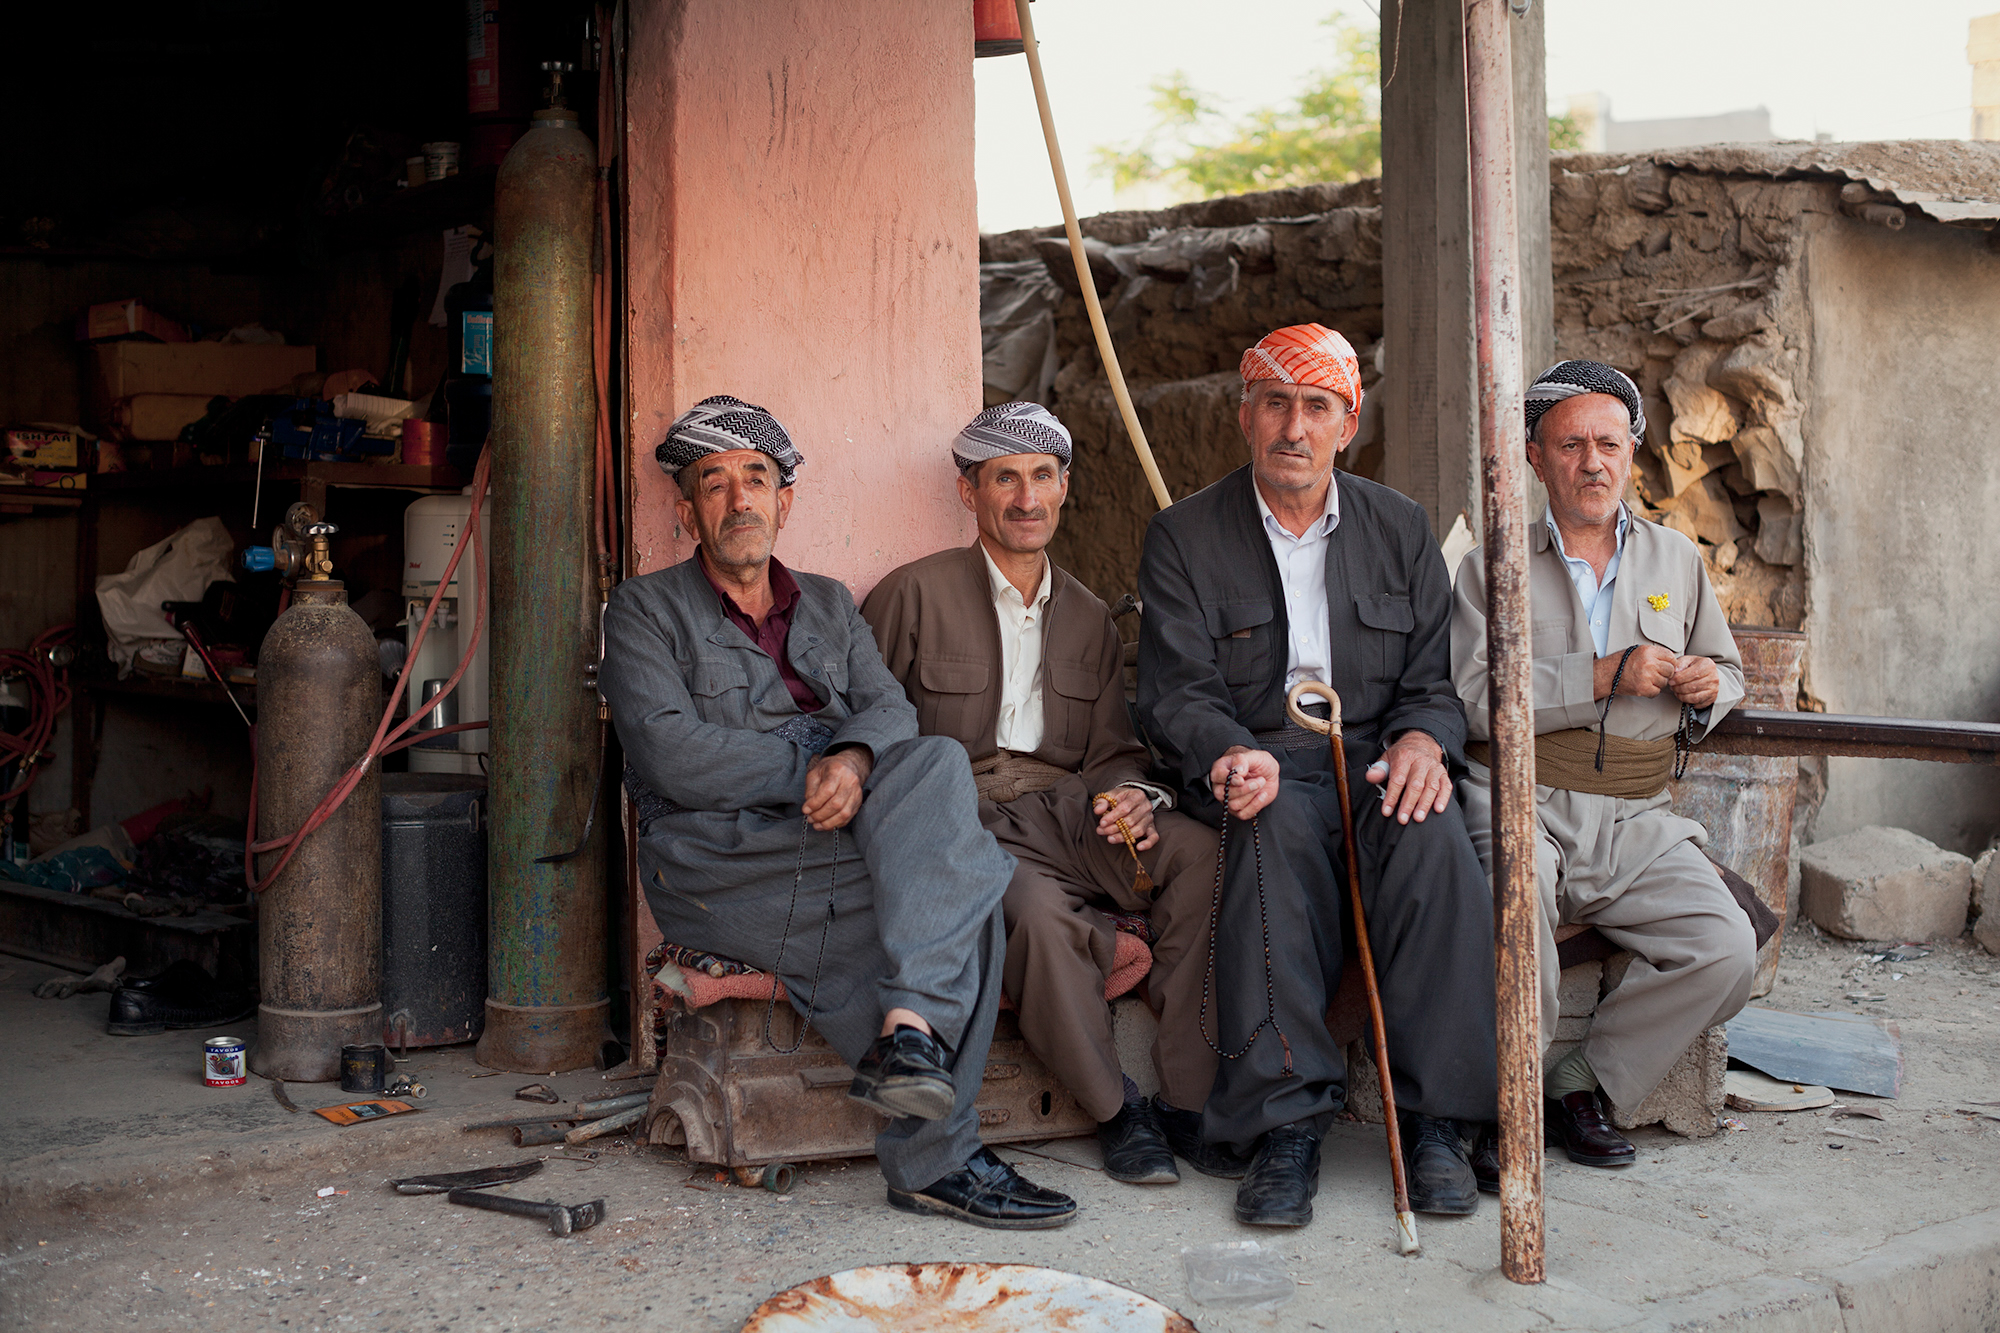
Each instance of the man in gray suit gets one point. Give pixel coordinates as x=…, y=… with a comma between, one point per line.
x=770, y=754
x=1290, y=570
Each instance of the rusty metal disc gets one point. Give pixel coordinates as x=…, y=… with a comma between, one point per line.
x=965, y=1298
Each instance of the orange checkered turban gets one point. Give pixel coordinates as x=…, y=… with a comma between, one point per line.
x=1306, y=354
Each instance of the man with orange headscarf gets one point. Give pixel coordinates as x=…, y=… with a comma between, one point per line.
x=1289, y=569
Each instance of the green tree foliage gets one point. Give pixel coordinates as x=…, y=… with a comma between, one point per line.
x=1332, y=131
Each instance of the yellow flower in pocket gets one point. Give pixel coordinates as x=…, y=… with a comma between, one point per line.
x=1658, y=601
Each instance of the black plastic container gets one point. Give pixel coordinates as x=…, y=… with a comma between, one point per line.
x=433, y=908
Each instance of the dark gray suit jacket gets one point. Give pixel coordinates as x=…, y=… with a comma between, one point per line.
x=1214, y=638
x=694, y=699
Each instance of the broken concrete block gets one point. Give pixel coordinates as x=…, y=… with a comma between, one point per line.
x=1986, y=895
x=1762, y=453
x=1780, y=538
x=1704, y=512
x=1689, y=1099
x=1885, y=884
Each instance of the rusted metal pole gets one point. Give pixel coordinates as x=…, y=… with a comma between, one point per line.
x=1496, y=296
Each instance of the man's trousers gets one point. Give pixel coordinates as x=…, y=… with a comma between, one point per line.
x=1636, y=872
x=1430, y=922
x=915, y=922
x=1060, y=946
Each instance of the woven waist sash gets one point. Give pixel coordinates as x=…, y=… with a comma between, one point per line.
x=1633, y=770
x=1005, y=775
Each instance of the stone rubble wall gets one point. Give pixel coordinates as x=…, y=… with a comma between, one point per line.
x=1691, y=283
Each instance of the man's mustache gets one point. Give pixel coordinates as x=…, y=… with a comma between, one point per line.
x=1026, y=515
x=738, y=521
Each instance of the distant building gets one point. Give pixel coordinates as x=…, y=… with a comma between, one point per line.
x=1602, y=134
x=1982, y=48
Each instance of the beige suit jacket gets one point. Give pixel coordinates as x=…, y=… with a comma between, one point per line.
x=940, y=635
x=1659, y=566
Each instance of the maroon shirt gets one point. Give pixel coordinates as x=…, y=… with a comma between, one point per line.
x=771, y=635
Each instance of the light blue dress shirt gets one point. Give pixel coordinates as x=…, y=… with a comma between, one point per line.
x=1596, y=595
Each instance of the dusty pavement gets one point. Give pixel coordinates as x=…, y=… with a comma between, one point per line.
x=132, y=1197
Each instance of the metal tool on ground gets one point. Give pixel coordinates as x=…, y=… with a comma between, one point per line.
x=537, y=1092
x=563, y=1219
x=402, y=1085
x=608, y=1125
x=446, y=1182
x=1406, y=1221
x=283, y=1098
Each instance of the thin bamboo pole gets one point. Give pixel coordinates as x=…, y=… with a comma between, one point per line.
x=1084, y=280
x=1496, y=285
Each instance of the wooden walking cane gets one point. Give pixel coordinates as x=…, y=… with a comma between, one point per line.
x=1406, y=1221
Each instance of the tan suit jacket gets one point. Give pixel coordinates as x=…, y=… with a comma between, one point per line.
x=1658, y=563
x=935, y=623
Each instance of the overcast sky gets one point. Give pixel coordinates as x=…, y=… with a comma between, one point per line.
x=1854, y=70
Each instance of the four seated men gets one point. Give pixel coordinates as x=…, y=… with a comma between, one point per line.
x=980, y=802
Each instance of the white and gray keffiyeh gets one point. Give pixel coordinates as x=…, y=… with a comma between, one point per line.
x=719, y=424
x=1010, y=428
x=1567, y=379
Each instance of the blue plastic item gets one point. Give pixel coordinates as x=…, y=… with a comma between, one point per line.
x=259, y=558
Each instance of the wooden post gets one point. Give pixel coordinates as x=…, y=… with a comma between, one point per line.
x=1496, y=284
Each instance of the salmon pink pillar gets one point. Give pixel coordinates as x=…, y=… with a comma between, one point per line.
x=802, y=234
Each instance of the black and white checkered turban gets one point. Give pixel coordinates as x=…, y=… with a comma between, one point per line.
x=1567, y=379
x=717, y=425
x=1010, y=428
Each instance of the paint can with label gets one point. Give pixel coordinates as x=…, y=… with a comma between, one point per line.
x=222, y=1062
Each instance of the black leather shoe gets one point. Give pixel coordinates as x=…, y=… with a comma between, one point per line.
x=987, y=1192
x=1183, y=1131
x=904, y=1074
x=182, y=996
x=1439, y=1166
x=1579, y=1124
x=1283, y=1176
x=1135, y=1147
x=1486, y=1160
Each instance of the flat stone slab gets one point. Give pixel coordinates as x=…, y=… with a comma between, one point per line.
x=1885, y=884
x=1748, y=1090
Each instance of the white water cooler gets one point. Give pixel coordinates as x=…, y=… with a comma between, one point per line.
x=431, y=531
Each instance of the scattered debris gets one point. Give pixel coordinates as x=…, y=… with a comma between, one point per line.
x=1843, y=1111
x=402, y=1085
x=355, y=1112
x=1846, y=1051
x=448, y=1181
x=1236, y=1273
x=283, y=1098
x=1747, y=1090
x=327, y=1192
x=1850, y=1134
x=1731, y=1124
x=1902, y=953
x=563, y=1219
x=538, y=1092
x=1984, y=1115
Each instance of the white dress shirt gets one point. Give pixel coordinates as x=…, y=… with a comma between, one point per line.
x=1302, y=571
x=1021, y=622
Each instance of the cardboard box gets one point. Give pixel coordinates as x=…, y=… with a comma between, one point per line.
x=53, y=481
x=120, y=370
x=127, y=319
x=34, y=448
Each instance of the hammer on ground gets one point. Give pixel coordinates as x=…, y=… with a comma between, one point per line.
x=562, y=1218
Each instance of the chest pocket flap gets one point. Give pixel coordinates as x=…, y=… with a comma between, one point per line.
x=1386, y=611
x=1072, y=682
x=1227, y=618
x=940, y=677
x=1663, y=627
x=716, y=676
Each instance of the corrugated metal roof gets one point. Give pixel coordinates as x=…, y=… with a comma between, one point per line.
x=1951, y=180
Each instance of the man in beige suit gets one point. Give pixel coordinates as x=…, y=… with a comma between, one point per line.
x=1633, y=663
x=1022, y=665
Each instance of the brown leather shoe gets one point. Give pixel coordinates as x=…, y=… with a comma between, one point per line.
x=1577, y=1122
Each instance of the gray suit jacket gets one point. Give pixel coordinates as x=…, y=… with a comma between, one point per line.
x=692, y=696
x=1215, y=637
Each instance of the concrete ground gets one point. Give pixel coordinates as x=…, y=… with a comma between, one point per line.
x=131, y=1196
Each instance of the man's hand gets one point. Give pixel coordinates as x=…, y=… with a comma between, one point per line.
x=1131, y=805
x=1412, y=773
x=1258, y=771
x=1696, y=681
x=833, y=787
x=1646, y=674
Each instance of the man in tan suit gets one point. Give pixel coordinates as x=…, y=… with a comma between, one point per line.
x=1021, y=664
x=1633, y=663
